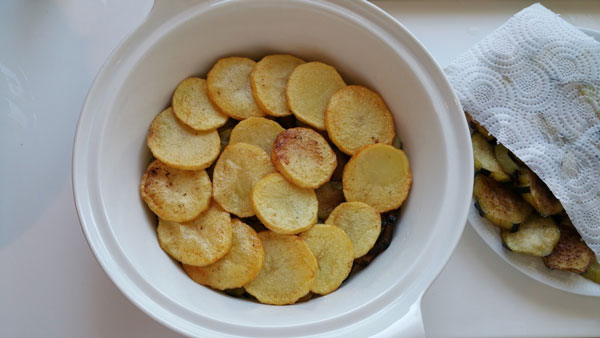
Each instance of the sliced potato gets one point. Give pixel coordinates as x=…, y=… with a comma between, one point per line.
x=303, y=157
x=593, y=271
x=570, y=253
x=179, y=146
x=499, y=204
x=536, y=236
x=258, y=131
x=174, y=194
x=329, y=195
x=238, y=267
x=334, y=253
x=238, y=169
x=360, y=222
x=536, y=193
x=308, y=91
x=357, y=116
x=485, y=159
x=199, y=242
x=191, y=105
x=229, y=87
x=289, y=270
x=282, y=206
x=505, y=160
x=378, y=175
x=268, y=81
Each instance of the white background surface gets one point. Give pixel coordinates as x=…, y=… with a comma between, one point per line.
x=50, y=284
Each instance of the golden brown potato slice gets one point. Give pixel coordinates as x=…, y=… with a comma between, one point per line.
x=191, y=106
x=229, y=87
x=288, y=272
x=199, y=242
x=238, y=267
x=329, y=195
x=282, y=206
x=179, y=146
x=360, y=222
x=499, y=204
x=570, y=253
x=334, y=253
x=258, y=131
x=174, y=194
x=536, y=236
x=238, y=169
x=303, y=157
x=268, y=81
x=378, y=175
x=535, y=192
x=357, y=116
x=308, y=91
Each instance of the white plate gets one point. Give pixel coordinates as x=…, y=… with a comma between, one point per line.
x=534, y=266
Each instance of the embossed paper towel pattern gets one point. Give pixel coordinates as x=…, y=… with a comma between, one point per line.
x=534, y=83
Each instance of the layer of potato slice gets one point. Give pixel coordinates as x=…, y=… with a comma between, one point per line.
x=288, y=272
x=536, y=193
x=360, y=222
x=257, y=131
x=192, y=106
x=378, y=175
x=283, y=207
x=499, y=204
x=303, y=157
x=357, y=116
x=485, y=159
x=268, y=81
x=536, y=236
x=236, y=172
x=180, y=146
x=238, y=267
x=175, y=194
x=199, y=242
x=570, y=253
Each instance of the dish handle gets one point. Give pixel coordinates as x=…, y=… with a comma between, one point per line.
x=410, y=325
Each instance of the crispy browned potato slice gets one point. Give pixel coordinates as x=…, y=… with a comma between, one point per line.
x=191, y=105
x=229, y=87
x=238, y=267
x=308, y=91
x=536, y=236
x=378, y=175
x=303, y=157
x=360, y=222
x=288, y=272
x=258, y=131
x=179, y=146
x=282, y=206
x=268, y=81
x=238, y=169
x=199, y=242
x=570, y=253
x=357, y=116
x=329, y=195
x=499, y=204
x=175, y=194
x=536, y=193
x=334, y=253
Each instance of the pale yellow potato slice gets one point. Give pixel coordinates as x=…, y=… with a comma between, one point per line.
x=192, y=106
x=360, y=222
x=180, y=146
x=288, y=272
x=236, y=172
x=303, y=157
x=268, y=81
x=174, y=194
x=378, y=175
x=229, y=87
x=258, y=131
x=309, y=89
x=334, y=253
x=282, y=206
x=357, y=116
x=199, y=242
x=238, y=267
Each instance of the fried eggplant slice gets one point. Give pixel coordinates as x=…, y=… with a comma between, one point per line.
x=499, y=204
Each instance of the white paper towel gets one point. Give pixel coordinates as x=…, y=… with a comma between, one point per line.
x=534, y=84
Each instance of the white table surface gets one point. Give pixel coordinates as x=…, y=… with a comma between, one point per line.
x=50, y=284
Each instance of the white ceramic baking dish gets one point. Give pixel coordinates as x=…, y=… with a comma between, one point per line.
x=183, y=38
